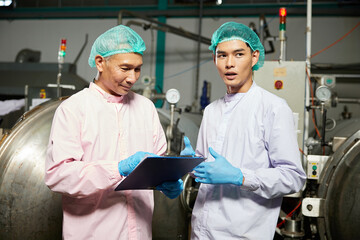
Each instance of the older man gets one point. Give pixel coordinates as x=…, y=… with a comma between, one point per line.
x=98, y=137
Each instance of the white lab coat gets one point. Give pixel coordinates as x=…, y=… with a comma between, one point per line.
x=255, y=132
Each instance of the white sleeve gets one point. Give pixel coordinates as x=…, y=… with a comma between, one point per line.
x=286, y=174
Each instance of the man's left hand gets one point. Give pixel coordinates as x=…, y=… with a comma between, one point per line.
x=171, y=189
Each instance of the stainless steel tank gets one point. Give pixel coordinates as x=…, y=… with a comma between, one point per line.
x=340, y=189
x=29, y=210
x=337, y=194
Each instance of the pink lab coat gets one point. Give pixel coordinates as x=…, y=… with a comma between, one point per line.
x=91, y=132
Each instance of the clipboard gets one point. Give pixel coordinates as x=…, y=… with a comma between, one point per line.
x=153, y=171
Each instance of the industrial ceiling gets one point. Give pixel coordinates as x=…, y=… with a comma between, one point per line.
x=28, y=9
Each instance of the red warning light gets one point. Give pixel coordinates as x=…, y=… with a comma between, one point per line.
x=62, y=51
x=282, y=12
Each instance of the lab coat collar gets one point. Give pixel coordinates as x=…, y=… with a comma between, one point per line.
x=237, y=96
x=107, y=96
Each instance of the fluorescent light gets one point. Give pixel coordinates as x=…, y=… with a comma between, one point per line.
x=5, y=3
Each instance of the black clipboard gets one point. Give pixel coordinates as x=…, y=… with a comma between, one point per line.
x=153, y=171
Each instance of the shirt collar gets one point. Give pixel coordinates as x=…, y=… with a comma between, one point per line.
x=109, y=97
x=229, y=97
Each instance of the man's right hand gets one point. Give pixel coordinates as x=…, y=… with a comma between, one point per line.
x=127, y=165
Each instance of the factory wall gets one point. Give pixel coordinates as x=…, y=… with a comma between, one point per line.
x=180, y=53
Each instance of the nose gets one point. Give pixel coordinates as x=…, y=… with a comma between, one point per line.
x=229, y=62
x=132, y=77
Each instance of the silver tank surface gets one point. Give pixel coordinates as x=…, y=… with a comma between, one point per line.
x=340, y=189
x=30, y=210
x=344, y=128
x=339, y=184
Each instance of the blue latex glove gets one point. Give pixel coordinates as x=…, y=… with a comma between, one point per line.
x=171, y=189
x=188, y=150
x=127, y=165
x=219, y=171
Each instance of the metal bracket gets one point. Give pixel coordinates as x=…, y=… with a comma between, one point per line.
x=312, y=207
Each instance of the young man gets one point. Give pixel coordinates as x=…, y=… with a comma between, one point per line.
x=98, y=137
x=249, y=140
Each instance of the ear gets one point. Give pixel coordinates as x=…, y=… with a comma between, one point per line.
x=255, y=57
x=214, y=58
x=99, y=62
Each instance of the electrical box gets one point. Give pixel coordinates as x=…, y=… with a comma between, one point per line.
x=287, y=80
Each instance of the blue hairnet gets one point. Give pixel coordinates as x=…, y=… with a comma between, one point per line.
x=237, y=31
x=119, y=39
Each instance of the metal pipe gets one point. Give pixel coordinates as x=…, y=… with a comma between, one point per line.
x=58, y=81
x=169, y=132
x=26, y=97
x=72, y=67
x=308, y=67
x=261, y=28
x=282, y=47
x=308, y=35
x=144, y=26
x=196, y=88
x=265, y=35
x=165, y=27
x=323, y=111
x=349, y=100
x=82, y=49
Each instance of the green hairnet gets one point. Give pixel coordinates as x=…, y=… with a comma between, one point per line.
x=237, y=31
x=119, y=39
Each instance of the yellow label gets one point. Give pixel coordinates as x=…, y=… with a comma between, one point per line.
x=42, y=93
x=279, y=72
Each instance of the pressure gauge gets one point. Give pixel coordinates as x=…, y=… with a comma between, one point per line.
x=172, y=96
x=323, y=93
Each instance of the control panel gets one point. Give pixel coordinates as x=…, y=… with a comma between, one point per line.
x=315, y=164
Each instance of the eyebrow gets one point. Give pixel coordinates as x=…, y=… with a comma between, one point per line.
x=235, y=51
x=130, y=65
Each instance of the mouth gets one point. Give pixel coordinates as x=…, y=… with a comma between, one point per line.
x=126, y=88
x=230, y=75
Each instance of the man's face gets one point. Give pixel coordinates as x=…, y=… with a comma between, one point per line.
x=119, y=72
x=234, y=61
